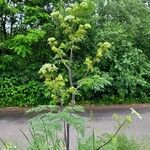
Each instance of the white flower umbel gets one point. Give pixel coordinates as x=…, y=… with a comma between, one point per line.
x=134, y=112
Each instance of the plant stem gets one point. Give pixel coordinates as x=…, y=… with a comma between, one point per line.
x=3, y=143
x=119, y=128
x=25, y=136
x=65, y=136
x=68, y=136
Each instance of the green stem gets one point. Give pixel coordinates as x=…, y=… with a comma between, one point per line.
x=113, y=135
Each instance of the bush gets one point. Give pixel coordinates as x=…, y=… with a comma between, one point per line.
x=27, y=94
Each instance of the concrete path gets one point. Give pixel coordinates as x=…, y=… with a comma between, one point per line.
x=14, y=120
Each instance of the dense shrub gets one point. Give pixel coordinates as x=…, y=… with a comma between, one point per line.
x=28, y=94
x=20, y=84
x=125, y=63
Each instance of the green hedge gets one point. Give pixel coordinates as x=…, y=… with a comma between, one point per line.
x=28, y=94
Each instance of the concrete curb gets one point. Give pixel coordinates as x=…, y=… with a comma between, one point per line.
x=117, y=107
x=87, y=107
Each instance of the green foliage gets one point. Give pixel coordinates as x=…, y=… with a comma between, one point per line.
x=22, y=44
x=96, y=83
x=25, y=27
x=50, y=126
x=9, y=146
x=120, y=142
x=74, y=33
x=27, y=94
x=47, y=128
x=126, y=63
x=56, y=84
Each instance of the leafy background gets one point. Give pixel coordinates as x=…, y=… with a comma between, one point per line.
x=26, y=25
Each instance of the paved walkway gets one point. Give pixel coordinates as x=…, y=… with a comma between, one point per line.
x=12, y=120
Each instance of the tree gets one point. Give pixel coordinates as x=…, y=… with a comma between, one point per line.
x=74, y=31
x=122, y=24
